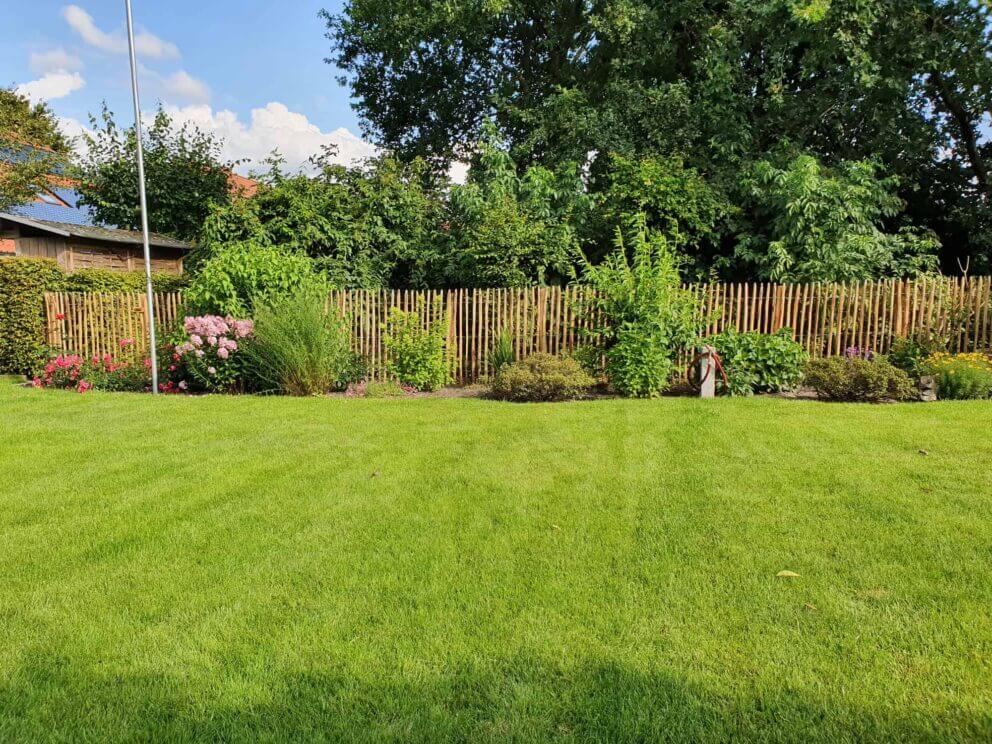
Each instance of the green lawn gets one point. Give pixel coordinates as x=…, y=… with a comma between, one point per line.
x=249, y=568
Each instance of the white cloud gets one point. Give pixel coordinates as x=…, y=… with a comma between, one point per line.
x=183, y=87
x=272, y=127
x=52, y=85
x=147, y=44
x=54, y=60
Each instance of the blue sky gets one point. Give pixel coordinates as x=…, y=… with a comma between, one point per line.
x=250, y=70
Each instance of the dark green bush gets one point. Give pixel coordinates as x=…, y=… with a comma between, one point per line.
x=23, y=283
x=542, y=377
x=855, y=379
x=759, y=362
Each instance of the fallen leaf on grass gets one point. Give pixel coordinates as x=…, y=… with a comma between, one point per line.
x=787, y=575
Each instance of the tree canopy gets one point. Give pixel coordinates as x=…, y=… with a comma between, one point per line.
x=31, y=148
x=717, y=86
x=184, y=175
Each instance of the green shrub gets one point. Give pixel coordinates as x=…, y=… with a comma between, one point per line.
x=590, y=357
x=855, y=379
x=23, y=283
x=908, y=353
x=417, y=355
x=759, y=362
x=542, y=377
x=643, y=316
x=241, y=276
x=960, y=376
x=300, y=347
x=105, y=280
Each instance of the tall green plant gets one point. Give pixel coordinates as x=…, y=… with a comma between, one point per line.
x=300, y=347
x=243, y=276
x=640, y=312
x=417, y=353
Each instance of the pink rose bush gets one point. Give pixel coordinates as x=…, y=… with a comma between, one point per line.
x=73, y=372
x=206, y=356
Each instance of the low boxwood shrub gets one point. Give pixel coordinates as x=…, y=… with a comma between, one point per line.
x=542, y=377
x=859, y=380
x=417, y=352
x=759, y=362
x=300, y=347
x=960, y=376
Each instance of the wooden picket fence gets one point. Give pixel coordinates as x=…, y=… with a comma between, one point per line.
x=825, y=318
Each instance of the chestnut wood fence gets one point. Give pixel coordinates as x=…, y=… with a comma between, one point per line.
x=825, y=318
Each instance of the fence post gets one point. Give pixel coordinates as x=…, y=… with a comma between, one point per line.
x=707, y=372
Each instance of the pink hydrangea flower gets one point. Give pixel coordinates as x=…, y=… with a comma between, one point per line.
x=211, y=370
x=223, y=353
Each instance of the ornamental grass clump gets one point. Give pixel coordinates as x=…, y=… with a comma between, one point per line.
x=855, y=379
x=301, y=347
x=960, y=376
x=208, y=354
x=542, y=377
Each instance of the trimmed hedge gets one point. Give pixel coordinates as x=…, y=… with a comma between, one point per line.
x=23, y=283
x=104, y=280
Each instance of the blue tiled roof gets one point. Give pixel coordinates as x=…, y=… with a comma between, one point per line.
x=71, y=215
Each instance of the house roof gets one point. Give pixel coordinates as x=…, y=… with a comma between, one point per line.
x=56, y=204
x=241, y=186
x=93, y=232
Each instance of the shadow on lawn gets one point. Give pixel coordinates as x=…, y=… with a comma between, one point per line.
x=520, y=702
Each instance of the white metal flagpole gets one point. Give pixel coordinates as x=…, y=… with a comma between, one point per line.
x=144, y=202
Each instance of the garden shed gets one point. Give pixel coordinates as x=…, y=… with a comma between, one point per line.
x=88, y=246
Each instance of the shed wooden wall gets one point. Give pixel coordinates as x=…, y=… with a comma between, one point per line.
x=73, y=254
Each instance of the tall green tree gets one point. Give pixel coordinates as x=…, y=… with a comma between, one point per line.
x=31, y=148
x=185, y=175
x=828, y=225
x=718, y=84
x=508, y=228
